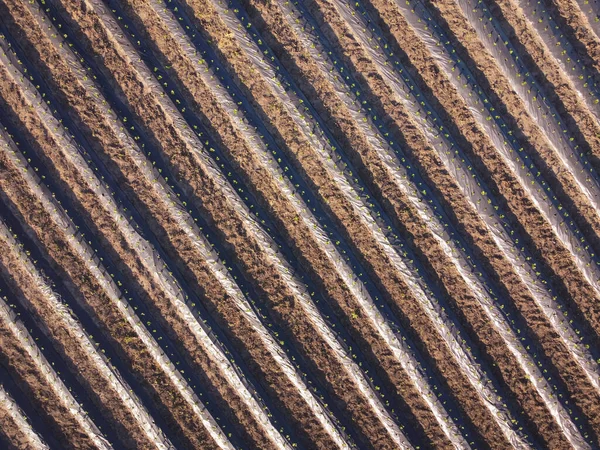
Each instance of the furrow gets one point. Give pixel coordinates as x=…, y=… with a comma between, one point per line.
x=113, y=379
x=579, y=211
x=534, y=67
x=340, y=180
x=535, y=99
x=578, y=68
x=563, y=281
x=185, y=222
x=422, y=23
x=574, y=27
x=302, y=210
x=102, y=277
x=284, y=272
x=320, y=54
x=319, y=224
x=412, y=101
x=159, y=269
x=364, y=140
x=15, y=425
x=544, y=114
x=591, y=10
x=22, y=339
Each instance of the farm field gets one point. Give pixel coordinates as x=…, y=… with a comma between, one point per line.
x=311, y=224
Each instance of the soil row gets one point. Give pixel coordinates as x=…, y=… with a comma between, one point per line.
x=562, y=96
x=532, y=60
x=254, y=182
x=554, y=351
x=562, y=39
x=129, y=420
x=134, y=257
x=302, y=69
x=36, y=377
x=574, y=26
x=339, y=36
x=273, y=103
x=592, y=13
x=15, y=427
x=528, y=71
x=183, y=249
x=274, y=286
x=91, y=292
x=307, y=158
x=559, y=354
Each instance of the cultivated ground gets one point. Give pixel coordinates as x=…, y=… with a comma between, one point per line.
x=311, y=224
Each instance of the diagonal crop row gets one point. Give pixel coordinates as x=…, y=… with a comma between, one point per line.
x=161, y=271
x=321, y=55
x=577, y=68
x=22, y=343
x=367, y=307
x=591, y=9
x=94, y=266
x=15, y=425
x=404, y=88
x=422, y=22
x=367, y=137
x=320, y=143
x=535, y=99
x=554, y=260
x=185, y=222
x=29, y=390
x=530, y=177
x=545, y=299
x=323, y=224
x=465, y=84
x=264, y=241
x=111, y=379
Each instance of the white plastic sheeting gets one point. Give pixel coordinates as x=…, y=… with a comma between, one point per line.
x=178, y=212
x=449, y=331
x=591, y=10
x=402, y=178
x=10, y=408
x=421, y=21
x=10, y=321
x=458, y=166
x=583, y=78
x=544, y=299
x=489, y=32
x=397, y=346
x=267, y=244
x=94, y=266
x=111, y=376
x=156, y=267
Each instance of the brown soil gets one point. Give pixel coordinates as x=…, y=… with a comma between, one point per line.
x=580, y=293
x=128, y=262
x=578, y=31
x=371, y=256
x=175, y=411
x=207, y=197
x=582, y=391
x=179, y=248
x=33, y=384
x=307, y=248
x=243, y=249
x=312, y=82
x=579, y=120
x=96, y=386
x=10, y=434
x=429, y=163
